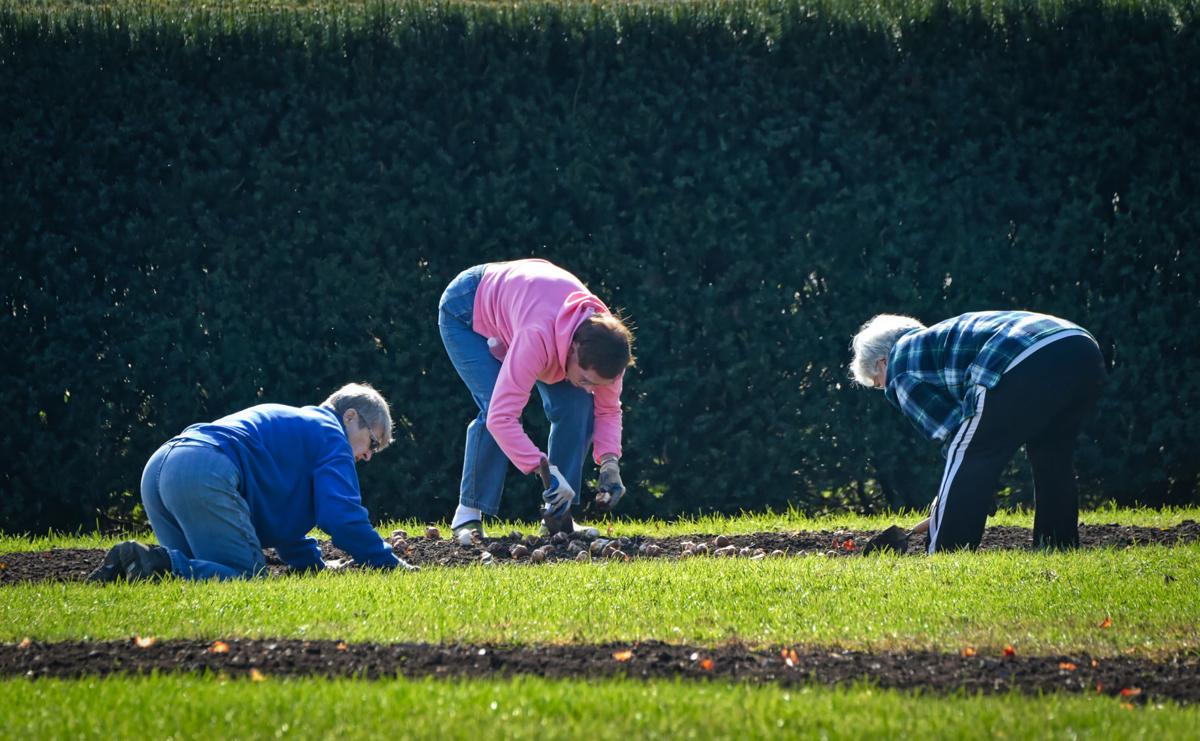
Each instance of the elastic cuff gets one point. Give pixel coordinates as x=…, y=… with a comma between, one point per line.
x=533, y=471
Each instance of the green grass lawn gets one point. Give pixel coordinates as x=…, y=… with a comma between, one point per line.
x=746, y=523
x=1035, y=602
x=196, y=707
x=1040, y=603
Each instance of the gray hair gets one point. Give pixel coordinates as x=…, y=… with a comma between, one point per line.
x=874, y=341
x=369, y=404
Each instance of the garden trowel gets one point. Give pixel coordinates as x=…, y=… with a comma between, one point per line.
x=895, y=538
x=555, y=521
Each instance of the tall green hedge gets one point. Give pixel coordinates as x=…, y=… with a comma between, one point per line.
x=207, y=206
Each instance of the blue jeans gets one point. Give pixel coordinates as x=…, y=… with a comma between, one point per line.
x=570, y=409
x=190, y=492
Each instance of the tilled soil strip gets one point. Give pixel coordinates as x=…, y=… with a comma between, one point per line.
x=1127, y=679
x=74, y=564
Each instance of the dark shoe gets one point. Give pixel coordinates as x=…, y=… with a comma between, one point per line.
x=895, y=538
x=132, y=561
x=138, y=562
x=147, y=562
x=109, y=570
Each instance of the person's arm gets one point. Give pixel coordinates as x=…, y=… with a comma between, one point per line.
x=340, y=511
x=606, y=437
x=301, y=554
x=527, y=357
x=930, y=408
x=606, y=447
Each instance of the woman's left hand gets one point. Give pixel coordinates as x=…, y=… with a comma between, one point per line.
x=611, y=488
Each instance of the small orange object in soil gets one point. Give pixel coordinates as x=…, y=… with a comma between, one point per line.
x=1107, y=623
x=146, y=642
x=1131, y=692
x=968, y=651
x=706, y=665
x=790, y=657
x=342, y=646
x=1067, y=666
x=257, y=676
x=218, y=647
x=623, y=655
x=1009, y=651
x=25, y=643
x=848, y=544
x=1095, y=663
x=1099, y=688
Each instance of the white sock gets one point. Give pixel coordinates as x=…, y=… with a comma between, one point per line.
x=465, y=514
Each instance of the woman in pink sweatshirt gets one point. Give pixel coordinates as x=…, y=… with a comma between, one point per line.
x=509, y=327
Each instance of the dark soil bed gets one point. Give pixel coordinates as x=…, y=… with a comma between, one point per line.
x=1126, y=679
x=71, y=564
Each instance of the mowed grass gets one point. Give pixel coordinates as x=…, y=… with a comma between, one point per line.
x=1039, y=603
x=529, y=707
x=1036, y=602
x=789, y=521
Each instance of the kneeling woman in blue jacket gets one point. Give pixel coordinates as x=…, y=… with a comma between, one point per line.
x=218, y=493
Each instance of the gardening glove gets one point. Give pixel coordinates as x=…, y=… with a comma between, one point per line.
x=558, y=494
x=611, y=488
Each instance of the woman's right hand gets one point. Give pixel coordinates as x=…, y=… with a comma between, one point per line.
x=558, y=494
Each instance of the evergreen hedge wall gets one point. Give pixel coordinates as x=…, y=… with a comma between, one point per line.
x=210, y=206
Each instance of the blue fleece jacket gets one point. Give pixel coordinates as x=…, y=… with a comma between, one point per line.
x=297, y=471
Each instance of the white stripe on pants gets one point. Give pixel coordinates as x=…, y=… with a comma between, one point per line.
x=954, y=458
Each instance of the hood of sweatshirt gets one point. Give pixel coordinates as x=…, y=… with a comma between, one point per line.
x=575, y=309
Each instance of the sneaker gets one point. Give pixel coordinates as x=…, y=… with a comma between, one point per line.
x=144, y=561
x=468, y=532
x=109, y=570
x=133, y=561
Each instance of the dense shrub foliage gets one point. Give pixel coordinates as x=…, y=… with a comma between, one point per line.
x=204, y=209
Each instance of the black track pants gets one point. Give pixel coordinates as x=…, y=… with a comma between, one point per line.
x=1040, y=403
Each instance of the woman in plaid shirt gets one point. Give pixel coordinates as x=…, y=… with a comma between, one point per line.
x=986, y=383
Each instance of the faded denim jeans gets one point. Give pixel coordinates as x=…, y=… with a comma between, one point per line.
x=190, y=492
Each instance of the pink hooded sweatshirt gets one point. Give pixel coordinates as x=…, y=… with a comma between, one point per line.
x=529, y=310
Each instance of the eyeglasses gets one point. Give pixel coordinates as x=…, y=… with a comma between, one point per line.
x=374, y=447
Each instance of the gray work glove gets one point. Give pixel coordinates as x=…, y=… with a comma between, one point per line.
x=611, y=488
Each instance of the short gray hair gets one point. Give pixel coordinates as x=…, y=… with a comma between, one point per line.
x=369, y=403
x=874, y=341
